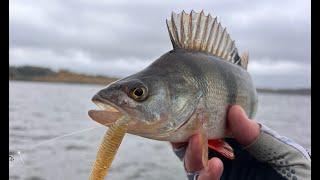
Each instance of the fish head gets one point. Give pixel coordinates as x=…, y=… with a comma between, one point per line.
x=131, y=97
x=144, y=100
x=156, y=101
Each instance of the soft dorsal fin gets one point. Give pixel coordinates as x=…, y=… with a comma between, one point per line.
x=244, y=59
x=198, y=32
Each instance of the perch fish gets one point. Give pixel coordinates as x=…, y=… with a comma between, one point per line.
x=185, y=91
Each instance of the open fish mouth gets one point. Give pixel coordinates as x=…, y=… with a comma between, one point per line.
x=108, y=112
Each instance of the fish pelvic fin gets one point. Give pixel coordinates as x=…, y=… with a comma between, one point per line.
x=221, y=147
x=203, y=33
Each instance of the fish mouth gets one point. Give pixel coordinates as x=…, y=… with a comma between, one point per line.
x=108, y=112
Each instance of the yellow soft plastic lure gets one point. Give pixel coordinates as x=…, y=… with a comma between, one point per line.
x=108, y=149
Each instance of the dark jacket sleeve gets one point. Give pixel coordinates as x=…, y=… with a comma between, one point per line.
x=269, y=157
x=288, y=158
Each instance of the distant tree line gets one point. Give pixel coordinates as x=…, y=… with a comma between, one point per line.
x=27, y=72
x=33, y=73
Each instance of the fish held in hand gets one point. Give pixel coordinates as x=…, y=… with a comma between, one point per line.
x=187, y=90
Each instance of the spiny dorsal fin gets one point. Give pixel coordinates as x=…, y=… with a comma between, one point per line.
x=198, y=32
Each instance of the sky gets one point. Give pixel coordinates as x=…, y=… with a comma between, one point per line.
x=121, y=37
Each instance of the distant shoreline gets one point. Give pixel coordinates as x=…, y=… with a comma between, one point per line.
x=39, y=74
x=286, y=91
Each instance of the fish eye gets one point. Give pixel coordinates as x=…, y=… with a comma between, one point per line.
x=138, y=93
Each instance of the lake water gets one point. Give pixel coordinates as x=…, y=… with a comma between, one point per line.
x=51, y=136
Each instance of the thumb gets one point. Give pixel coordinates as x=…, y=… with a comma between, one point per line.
x=244, y=130
x=213, y=171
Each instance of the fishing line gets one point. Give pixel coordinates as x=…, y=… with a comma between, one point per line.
x=20, y=156
x=54, y=139
x=63, y=136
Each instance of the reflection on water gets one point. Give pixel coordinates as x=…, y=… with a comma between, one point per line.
x=51, y=136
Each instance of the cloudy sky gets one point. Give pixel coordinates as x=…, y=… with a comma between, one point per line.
x=118, y=37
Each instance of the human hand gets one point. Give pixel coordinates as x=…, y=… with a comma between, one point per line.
x=190, y=152
x=244, y=130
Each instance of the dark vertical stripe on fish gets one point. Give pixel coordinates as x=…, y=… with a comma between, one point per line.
x=192, y=67
x=230, y=83
x=252, y=106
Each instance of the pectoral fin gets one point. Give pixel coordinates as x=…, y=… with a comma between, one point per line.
x=222, y=147
x=204, y=147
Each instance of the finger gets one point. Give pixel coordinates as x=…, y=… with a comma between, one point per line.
x=244, y=130
x=213, y=171
x=193, y=159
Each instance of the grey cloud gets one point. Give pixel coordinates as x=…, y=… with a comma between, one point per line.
x=113, y=30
